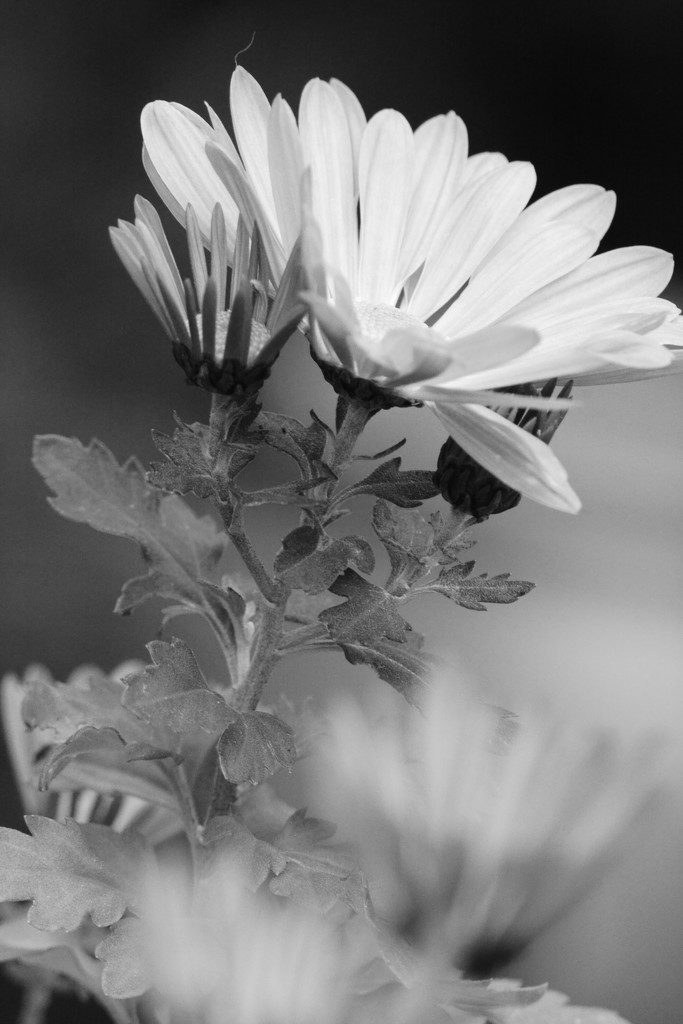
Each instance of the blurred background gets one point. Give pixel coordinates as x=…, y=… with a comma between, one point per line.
x=589, y=91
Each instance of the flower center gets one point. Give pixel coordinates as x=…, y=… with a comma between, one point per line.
x=376, y=318
x=258, y=338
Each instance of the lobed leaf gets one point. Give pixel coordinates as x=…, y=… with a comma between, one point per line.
x=126, y=971
x=469, y=591
x=226, y=838
x=173, y=692
x=72, y=870
x=90, y=487
x=407, y=488
x=88, y=698
x=188, y=462
x=311, y=560
x=368, y=613
x=401, y=665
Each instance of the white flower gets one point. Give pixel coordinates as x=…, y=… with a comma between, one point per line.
x=476, y=836
x=224, y=337
x=429, y=274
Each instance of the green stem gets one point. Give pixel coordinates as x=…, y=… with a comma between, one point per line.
x=178, y=779
x=233, y=521
x=300, y=639
x=266, y=653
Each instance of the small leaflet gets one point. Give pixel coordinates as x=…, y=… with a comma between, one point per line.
x=407, y=488
x=187, y=467
x=471, y=592
x=254, y=746
x=368, y=613
x=311, y=560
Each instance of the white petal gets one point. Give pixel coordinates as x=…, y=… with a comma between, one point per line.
x=440, y=155
x=482, y=350
x=513, y=455
x=250, y=111
x=476, y=220
x=236, y=182
x=386, y=182
x=129, y=252
x=355, y=115
x=327, y=150
x=175, y=146
x=623, y=375
x=588, y=206
x=480, y=164
x=633, y=350
x=286, y=164
x=618, y=274
x=149, y=216
x=223, y=136
x=526, y=263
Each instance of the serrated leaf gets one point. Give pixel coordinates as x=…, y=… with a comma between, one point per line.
x=87, y=740
x=317, y=875
x=368, y=614
x=89, y=697
x=310, y=560
x=407, y=488
x=126, y=971
x=188, y=465
x=471, y=592
x=409, y=540
x=253, y=859
x=173, y=692
x=400, y=665
x=90, y=487
x=452, y=533
x=254, y=746
x=72, y=870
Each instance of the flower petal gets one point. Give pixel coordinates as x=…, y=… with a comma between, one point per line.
x=526, y=263
x=386, y=182
x=511, y=454
x=328, y=151
x=476, y=220
x=286, y=162
x=175, y=148
x=355, y=115
x=250, y=111
x=440, y=155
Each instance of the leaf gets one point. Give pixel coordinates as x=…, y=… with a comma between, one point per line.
x=225, y=837
x=407, y=488
x=408, y=538
x=306, y=445
x=400, y=665
x=188, y=465
x=452, y=534
x=89, y=697
x=173, y=692
x=310, y=560
x=87, y=740
x=317, y=875
x=148, y=752
x=368, y=614
x=90, y=487
x=72, y=870
x=254, y=746
x=126, y=972
x=472, y=591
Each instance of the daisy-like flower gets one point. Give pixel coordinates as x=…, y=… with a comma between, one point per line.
x=475, y=837
x=430, y=279
x=226, y=340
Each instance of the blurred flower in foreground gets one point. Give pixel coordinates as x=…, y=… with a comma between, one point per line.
x=224, y=346
x=476, y=836
x=430, y=280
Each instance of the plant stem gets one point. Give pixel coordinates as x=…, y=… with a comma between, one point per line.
x=34, y=1004
x=266, y=652
x=354, y=420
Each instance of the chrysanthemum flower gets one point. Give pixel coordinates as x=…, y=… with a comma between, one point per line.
x=225, y=339
x=476, y=838
x=430, y=279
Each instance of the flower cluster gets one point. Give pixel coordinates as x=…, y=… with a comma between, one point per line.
x=430, y=279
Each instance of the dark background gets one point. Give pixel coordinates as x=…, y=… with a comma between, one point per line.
x=589, y=91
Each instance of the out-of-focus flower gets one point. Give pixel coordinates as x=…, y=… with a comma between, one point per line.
x=226, y=340
x=430, y=279
x=474, y=840
x=469, y=487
